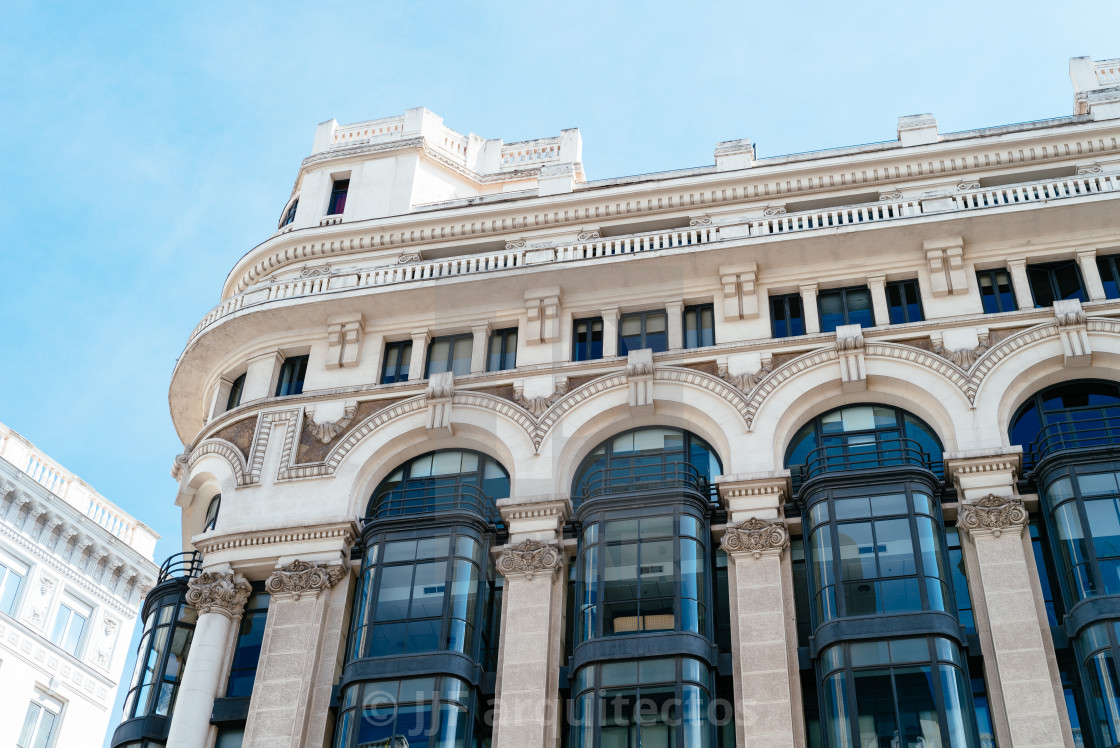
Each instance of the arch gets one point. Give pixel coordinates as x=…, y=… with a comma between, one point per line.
x=227, y=453
x=420, y=472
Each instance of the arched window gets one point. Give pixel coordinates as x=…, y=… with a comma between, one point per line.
x=289, y=214
x=1072, y=415
x=212, y=513
x=445, y=480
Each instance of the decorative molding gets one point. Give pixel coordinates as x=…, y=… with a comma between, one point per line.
x=222, y=448
x=994, y=514
x=301, y=578
x=326, y=432
x=850, y=353
x=529, y=558
x=316, y=271
x=702, y=221
x=964, y=186
x=182, y=461
x=585, y=236
x=1086, y=170
x=407, y=258
x=438, y=397
x=221, y=592
x=773, y=212
x=538, y=406
x=962, y=357
x=890, y=196
x=343, y=533
x=755, y=536
x=639, y=379
x=747, y=381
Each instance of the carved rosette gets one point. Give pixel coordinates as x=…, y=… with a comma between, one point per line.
x=301, y=578
x=993, y=514
x=219, y=592
x=755, y=536
x=529, y=558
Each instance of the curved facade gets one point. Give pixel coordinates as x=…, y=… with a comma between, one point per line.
x=780, y=451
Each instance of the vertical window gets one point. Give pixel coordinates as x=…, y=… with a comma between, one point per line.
x=69, y=623
x=40, y=722
x=212, y=513
x=699, y=330
x=338, y=197
x=450, y=353
x=290, y=213
x=587, y=339
x=292, y=373
x=845, y=306
x=1109, y=267
x=247, y=652
x=11, y=576
x=161, y=657
x=1055, y=280
x=643, y=330
x=995, y=291
x=397, y=357
x=786, y=316
x=235, y=391
x=904, y=303
x=502, y=354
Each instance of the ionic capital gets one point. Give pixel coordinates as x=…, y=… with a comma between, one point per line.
x=301, y=578
x=221, y=592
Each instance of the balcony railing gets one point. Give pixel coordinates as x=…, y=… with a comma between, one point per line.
x=433, y=499
x=638, y=475
x=1092, y=428
x=881, y=453
x=185, y=565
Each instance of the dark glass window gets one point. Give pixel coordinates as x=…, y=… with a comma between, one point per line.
x=212, y=513
x=587, y=339
x=1072, y=415
x=440, y=481
x=292, y=373
x=450, y=353
x=162, y=655
x=845, y=306
x=643, y=330
x=1055, y=280
x=397, y=358
x=418, y=712
x=904, y=303
x=1083, y=505
x=996, y=293
x=247, y=651
x=699, y=329
x=502, y=354
x=960, y=580
x=786, y=316
x=905, y=692
x=1098, y=653
x=235, y=391
x=290, y=213
x=1109, y=267
x=338, y=197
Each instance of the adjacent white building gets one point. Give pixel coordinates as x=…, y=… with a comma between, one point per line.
x=73, y=571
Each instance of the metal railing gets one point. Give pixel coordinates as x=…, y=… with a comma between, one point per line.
x=837, y=458
x=185, y=565
x=432, y=498
x=636, y=475
x=1094, y=428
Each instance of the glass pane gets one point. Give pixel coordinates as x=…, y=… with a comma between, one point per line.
x=917, y=707
x=875, y=708
x=857, y=551
x=834, y=706
x=883, y=506
x=1070, y=540
x=427, y=589
x=957, y=698
x=432, y=547
x=619, y=673
x=852, y=508
x=29, y=722
x=895, y=548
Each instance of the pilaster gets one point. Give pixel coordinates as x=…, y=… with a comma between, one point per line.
x=1020, y=281
x=809, y=307
x=419, y=351
x=877, y=285
x=610, y=332
x=674, y=314
x=1087, y=261
x=481, y=332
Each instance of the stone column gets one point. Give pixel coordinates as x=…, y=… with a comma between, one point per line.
x=1087, y=260
x=1020, y=281
x=296, y=637
x=1028, y=706
x=532, y=640
x=768, y=709
x=877, y=285
x=809, y=308
x=219, y=597
x=610, y=332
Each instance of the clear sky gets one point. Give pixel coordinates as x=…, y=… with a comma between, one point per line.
x=145, y=146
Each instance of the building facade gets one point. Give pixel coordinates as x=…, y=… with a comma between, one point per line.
x=806, y=450
x=73, y=571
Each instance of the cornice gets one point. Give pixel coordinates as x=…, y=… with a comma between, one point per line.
x=344, y=532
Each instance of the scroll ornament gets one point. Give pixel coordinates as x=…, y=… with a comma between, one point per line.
x=301, y=578
x=993, y=513
x=530, y=557
x=219, y=592
x=755, y=536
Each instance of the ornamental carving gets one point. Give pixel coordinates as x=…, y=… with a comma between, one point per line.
x=301, y=578
x=747, y=381
x=1070, y=315
x=993, y=513
x=774, y=212
x=326, y=432
x=1094, y=169
x=962, y=357
x=407, y=259
x=968, y=186
x=530, y=557
x=755, y=536
x=515, y=245
x=539, y=405
x=309, y=271
x=219, y=592
x=587, y=235
x=705, y=221
x=890, y=196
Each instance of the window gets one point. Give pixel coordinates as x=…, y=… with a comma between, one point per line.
x=11, y=576
x=290, y=213
x=291, y=376
x=235, y=391
x=419, y=712
x=1109, y=267
x=587, y=339
x=338, y=197
x=643, y=330
x=1096, y=647
x=40, y=722
x=1084, y=509
x=904, y=303
x=398, y=355
x=786, y=316
x=164, y=644
x=440, y=481
x=69, y=623
x=212, y=513
x=247, y=651
x=996, y=293
x=845, y=306
x=1072, y=415
x=699, y=330
x=450, y=353
x=503, y=350
x=1055, y=280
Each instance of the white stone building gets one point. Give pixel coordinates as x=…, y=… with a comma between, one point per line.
x=806, y=450
x=73, y=570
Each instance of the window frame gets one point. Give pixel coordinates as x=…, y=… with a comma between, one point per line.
x=902, y=286
x=505, y=338
x=452, y=341
x=256, y=610
x=292, y=376
x=209, y=522
x=236, y=390
x=1049, y=270
x=403, y=351
x=783, y=300
x=586, y=338
x=643, y=317
x=289, y=214
x=181, y=617
x=843, y=292
x=338, y=195
x=1108, y=267
x=46, y=705
x=993, y=277
x=13, y=567
x=697, y=311
x=75, y=606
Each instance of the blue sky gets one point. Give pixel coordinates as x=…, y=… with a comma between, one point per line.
x=145, y=146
